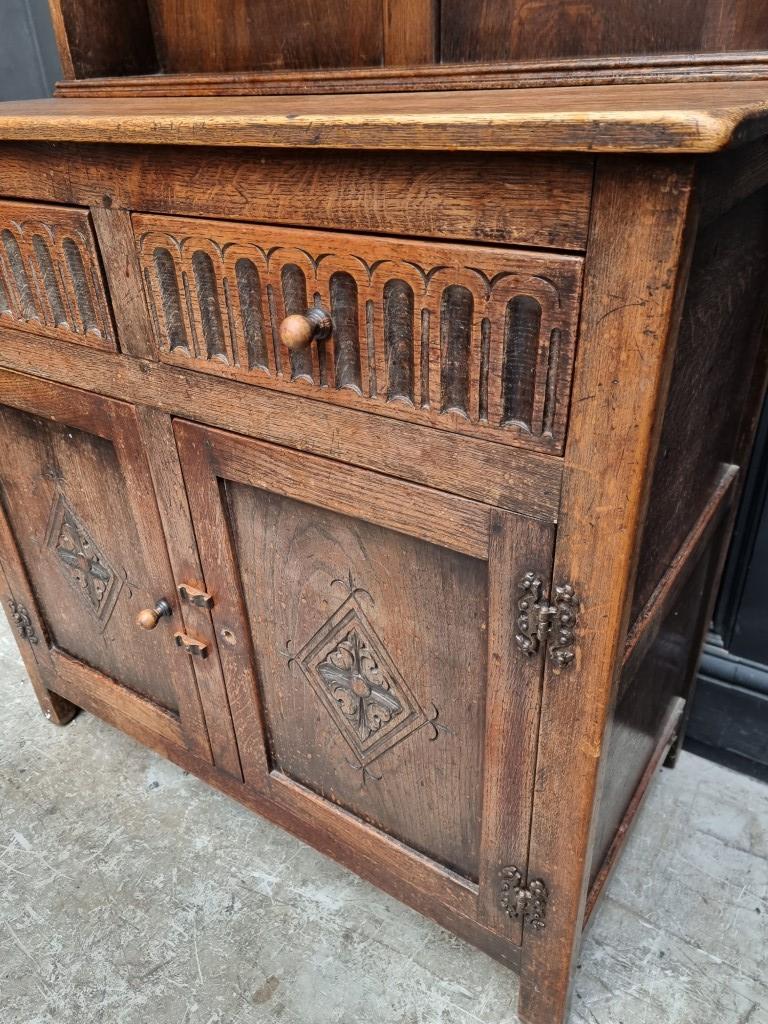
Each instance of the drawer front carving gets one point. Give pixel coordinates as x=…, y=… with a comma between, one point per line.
x=50, y=277
x=471, y=339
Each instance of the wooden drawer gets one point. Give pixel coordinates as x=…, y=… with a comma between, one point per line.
x=50, y=277
x=469, y=339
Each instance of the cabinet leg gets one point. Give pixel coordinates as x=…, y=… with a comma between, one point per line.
x=545, y=994
x=55, y=709
x=25, y=624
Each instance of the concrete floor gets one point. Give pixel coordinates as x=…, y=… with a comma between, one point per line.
x=130, y=893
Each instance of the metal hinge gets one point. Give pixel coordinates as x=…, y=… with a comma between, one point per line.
x=523, y=902
x=539, y=621
x=23, y=622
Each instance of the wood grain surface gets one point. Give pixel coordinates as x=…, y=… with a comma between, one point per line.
x=530, y=199
x=688, y=117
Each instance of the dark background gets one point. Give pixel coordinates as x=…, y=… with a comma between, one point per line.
x=729, y=722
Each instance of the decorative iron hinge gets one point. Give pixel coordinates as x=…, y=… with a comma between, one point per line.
x=538, y=620
x=523, y=902
x=23, y=622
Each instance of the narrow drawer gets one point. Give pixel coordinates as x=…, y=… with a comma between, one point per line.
x=50, y=277
x=470, y=339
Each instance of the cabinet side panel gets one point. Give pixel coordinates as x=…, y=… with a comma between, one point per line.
x=646, y=691
x=716, y=385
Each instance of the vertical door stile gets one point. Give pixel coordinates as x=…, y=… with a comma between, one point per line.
x=517, y=545
x=215, y=546
x=160, y=447
x=141, y=496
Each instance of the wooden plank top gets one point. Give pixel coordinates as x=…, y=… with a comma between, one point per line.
x=700, y=117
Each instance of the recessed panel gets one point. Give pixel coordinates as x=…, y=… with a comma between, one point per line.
x=371, y=660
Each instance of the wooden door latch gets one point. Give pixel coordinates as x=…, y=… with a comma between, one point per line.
x=539, y=621
x=192, y=595
x=196, y=648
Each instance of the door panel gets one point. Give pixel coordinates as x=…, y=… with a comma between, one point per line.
x=83, y=528
x=363, y=625
x=358, y=681
x=63, y=490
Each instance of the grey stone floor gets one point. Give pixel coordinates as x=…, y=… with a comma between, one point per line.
x=130, y=893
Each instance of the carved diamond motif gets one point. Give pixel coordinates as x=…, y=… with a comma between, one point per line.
x=350, y=671
x=83, y=565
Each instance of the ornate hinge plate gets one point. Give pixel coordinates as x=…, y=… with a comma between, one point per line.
x=24, y=625
x=539, y=621
x=527, y=903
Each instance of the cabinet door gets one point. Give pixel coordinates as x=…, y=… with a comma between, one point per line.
x=366, y=631
x=83, y=553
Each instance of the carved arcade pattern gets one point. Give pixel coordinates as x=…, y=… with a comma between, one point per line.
x=471, y=339
x=83, y=565
x=50, y=277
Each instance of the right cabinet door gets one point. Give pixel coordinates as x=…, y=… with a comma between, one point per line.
x=366, y=629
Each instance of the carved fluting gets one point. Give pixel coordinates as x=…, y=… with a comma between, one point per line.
x=50, y=277
x=527, y=903
x=23, y=622
x=474, y=340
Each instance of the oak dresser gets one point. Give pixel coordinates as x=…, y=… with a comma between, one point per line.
x=371, y=453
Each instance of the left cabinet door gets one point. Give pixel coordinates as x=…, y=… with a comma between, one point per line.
x=83, y=554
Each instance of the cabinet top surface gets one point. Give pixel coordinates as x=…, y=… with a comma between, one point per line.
x=670, y=118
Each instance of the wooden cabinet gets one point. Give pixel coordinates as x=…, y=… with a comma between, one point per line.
x=375, y=461
x=285, y=45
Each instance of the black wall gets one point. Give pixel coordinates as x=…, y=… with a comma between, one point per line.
x=729, y=721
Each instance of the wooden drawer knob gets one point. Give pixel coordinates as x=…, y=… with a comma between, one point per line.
x=148, y=618
x=300, y=329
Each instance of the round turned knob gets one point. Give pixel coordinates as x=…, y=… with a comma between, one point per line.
x=148, y=618
x=300, y=329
